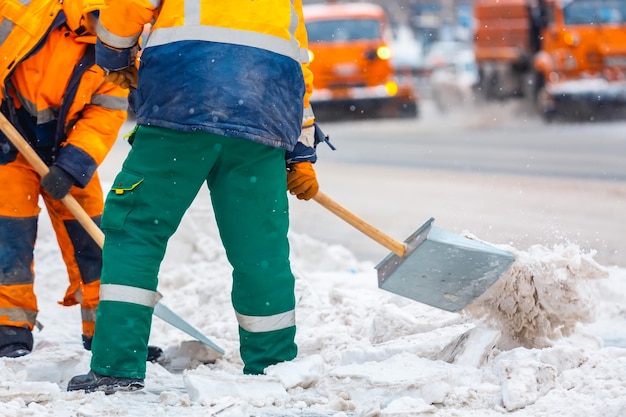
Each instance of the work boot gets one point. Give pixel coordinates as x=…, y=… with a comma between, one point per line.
x=154, y=352
x=15, y=341
x=92, y=382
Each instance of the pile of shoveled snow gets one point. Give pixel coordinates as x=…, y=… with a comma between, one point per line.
x=542, y=297
x=362, y=351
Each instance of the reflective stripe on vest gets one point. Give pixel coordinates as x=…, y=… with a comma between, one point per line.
x=8, y=12
x=192, y=13
x=193, y=30
x=19, y=315
x=111, y=39
x=308, y=114
x=163, y=36
x=110, y=102
x=43, y=116
x=259, y=324
x=88, y=314
x=304, y=56
x=303, y=53
x=5, y=29
x=128, y=294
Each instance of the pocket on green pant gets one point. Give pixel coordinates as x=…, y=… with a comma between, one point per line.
x=121, y=200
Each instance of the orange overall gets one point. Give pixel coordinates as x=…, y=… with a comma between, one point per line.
x=58, y=99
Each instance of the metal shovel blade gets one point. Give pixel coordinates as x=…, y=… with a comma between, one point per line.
x=442, y=269
x=174, y=319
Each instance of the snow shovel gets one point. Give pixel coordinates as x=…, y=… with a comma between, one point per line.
x=94, y=231
x=432, y=266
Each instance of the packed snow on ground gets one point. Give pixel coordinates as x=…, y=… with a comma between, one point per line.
x=545, y=340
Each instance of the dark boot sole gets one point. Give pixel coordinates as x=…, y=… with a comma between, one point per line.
x=108, y=389
x=93, y=382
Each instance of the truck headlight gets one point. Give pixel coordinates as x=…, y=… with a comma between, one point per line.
x=571, y=39
x=384, y=52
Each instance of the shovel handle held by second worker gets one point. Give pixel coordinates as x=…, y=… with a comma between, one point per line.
x=42, y=169
x=390, y=243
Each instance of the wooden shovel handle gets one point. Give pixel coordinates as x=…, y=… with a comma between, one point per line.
x=360, y=224
x=42, y=169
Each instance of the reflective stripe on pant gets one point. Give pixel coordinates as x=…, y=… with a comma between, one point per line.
x=19, y=211
x=158, y=182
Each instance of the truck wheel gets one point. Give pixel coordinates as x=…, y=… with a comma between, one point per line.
x=398, y=110
x=490, y=87
x=545, y=106
x=408, y=110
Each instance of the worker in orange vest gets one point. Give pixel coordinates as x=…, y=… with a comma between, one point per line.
x=59, y=100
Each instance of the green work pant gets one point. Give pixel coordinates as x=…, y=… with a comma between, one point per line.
x=158, y=182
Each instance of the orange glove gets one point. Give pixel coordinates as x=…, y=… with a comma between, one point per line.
x=125, y=78
x=301, y=180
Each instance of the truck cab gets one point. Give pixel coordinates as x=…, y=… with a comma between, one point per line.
x=350, y=57
x=581, y=64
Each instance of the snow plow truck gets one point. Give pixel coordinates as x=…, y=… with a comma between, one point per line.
x=567, y=57
x=350, y=54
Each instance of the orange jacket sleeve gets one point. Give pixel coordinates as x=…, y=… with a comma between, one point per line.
x=121, y=25
x=92, y=135
x=121, y=22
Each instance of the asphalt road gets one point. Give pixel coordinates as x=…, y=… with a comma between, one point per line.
x=498, y=139
x=496, y=172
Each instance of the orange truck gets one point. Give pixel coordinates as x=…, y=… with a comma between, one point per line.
x=567, y=57
x=350, y=57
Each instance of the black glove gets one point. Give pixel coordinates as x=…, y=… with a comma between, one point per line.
x=57, y=182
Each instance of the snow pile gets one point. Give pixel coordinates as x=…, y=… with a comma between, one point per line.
x=542, y=297
x=362, y=351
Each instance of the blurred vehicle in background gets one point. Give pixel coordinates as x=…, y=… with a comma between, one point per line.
x=567, y=57
x=453, y=85
x=442, y=53
x=350, y=54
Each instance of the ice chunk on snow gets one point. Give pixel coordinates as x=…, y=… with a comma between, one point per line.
x=303, y=372
x=29, y=391
x=407, y=407
x=209, y=387
x=524, y=382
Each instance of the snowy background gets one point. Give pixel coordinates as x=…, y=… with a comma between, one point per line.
x=548, y=339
